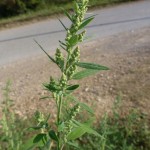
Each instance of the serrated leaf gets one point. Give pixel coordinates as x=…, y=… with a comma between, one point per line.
x=52, y=59
x=72, y=87
x=39, y=137
x=53, y=135
x=91, y=66
x=84, y=73
x=87, y=108
x=85, y=23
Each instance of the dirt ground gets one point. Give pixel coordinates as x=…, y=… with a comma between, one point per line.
x=126, y=54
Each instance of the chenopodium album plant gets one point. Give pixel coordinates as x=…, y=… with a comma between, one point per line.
x=67, y=128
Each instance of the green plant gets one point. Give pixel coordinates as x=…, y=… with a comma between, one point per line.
x=67, y=127
x=11, y=136
x=129, y=132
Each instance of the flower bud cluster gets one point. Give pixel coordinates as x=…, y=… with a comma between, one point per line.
x=68, y=35
x=53, y=84
x=39, y=117
x=74, y=58
x=81, y=36
x=71, y=71
x=73, y=113
x=59, y=57
x=80, y=10
x=63, y=80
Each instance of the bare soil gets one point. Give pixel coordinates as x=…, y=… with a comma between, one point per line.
x=126, y=54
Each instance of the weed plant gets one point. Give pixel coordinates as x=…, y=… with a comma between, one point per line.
x=67, y=132
x=67, y=128
x=11, y=134
x=129, y=132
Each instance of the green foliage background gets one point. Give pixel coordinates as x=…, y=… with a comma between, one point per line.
x=10, y=8
x=14, y=7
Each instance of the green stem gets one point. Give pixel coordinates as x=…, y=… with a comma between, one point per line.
x=58, y=119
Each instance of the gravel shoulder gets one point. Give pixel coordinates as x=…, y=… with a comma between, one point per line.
x=126, y=54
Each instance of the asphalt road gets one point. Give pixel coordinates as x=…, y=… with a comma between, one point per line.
x=18, y=43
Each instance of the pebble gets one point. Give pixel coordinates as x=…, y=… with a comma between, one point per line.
x=99, y=99
x=86, y=89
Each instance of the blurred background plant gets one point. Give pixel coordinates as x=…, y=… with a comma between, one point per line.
x=119, y=132
x=15, y=7
x=12, y=126
x=10, y=130
x=9, y=8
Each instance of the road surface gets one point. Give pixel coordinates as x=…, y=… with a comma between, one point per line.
x=18, y=43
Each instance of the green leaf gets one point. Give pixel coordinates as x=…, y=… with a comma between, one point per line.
x=86, y=22
x=45, y=97
x=87, y=129
x=93, y=16
x=29, y=144
x=76, y=133
x=72, y=87
x=47, y=145
x=68, y=15
x=34, y=128
x=61, y=127
x=62, y=43
x=51, y=88
x=52, y=59
x=87, y=108
x=39, y=137
x=62, y=47
x=74, y=145
x=53, y=135
x=73, y=40
x=91, y=66
x=63, y=24
x=84, y=73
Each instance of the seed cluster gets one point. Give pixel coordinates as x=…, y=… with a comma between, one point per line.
x=73, y=112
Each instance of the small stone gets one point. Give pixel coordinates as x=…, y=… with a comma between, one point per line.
x=101, y=75
x=108, y=77
x=99, y=99
x=86, y=89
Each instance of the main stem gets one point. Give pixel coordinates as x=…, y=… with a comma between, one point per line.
x=59, y=119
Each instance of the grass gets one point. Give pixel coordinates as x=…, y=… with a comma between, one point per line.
x=52, y=10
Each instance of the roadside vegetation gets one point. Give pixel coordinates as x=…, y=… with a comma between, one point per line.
x=118, y=131
x=14, y=11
